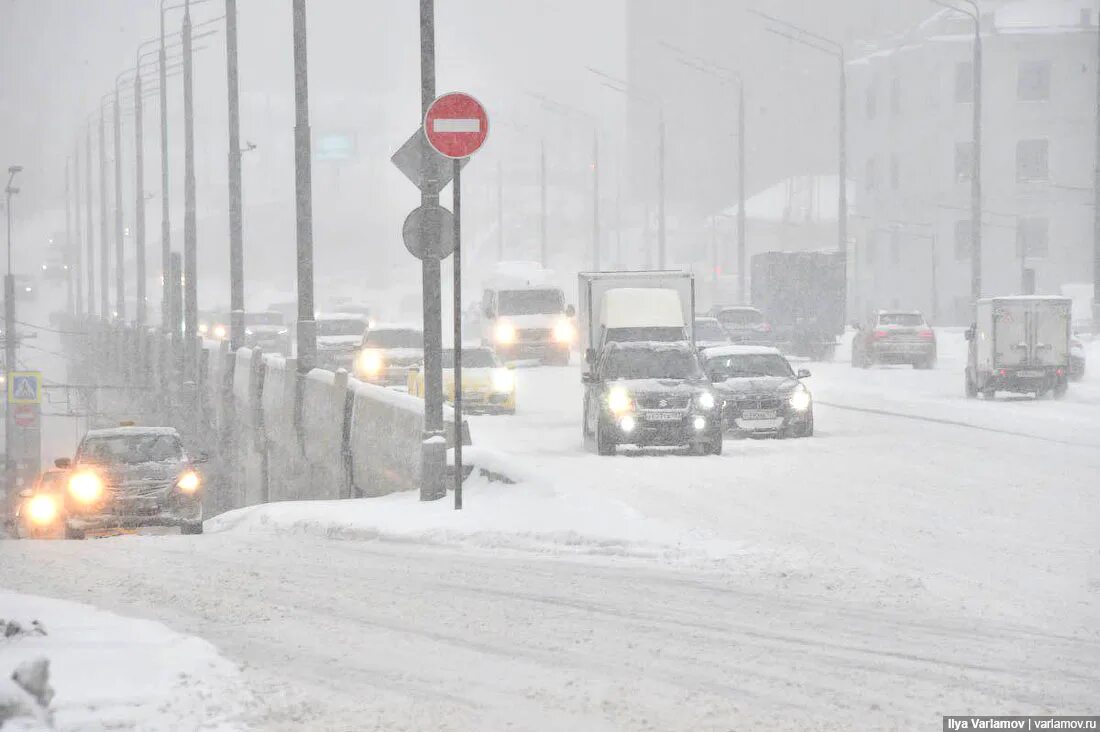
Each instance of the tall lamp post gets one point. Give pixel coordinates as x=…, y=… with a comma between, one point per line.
x=9, y=339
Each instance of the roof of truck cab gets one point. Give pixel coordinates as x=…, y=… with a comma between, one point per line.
x=132, y=430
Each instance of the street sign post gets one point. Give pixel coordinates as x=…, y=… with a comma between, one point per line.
x=25, y=387
x=428, y=232
x=25, y=415
x=422, y=165
x=456, y=126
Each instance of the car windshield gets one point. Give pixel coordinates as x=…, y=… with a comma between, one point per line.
x=747, y=365
x=395, y=338
x=263, y=319
x=709, y=330
x=740, y=317
x=341, y=327
x=657, y=363
x=911, y=320
x=51, y=482
x=474, y=358
x=530, y=302
x=131, y=449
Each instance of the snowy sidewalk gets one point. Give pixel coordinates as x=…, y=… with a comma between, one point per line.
x=113, y=672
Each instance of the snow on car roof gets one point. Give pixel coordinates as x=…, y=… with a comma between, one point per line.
x=418, y=327
x=132, y=430
x=742, y=351
x=705, y=319
x=341, y=316
x=649, y=346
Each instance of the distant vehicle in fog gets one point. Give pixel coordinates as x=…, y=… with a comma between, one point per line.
x=709, y=333
x=744, y=324
x=524, y=315
x=1077, y=360
x=895, y=337
x=338, y=339
x=1019, y=344
x=761, y=394
x=387, y=352
x=804, y=297
x=266, y=329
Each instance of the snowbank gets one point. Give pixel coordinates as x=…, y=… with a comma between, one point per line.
x=111, y=672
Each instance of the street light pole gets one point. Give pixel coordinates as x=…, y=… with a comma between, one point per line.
x=90, y=260
x=303, y=184
x=236, y=236
x=1096, y=205
x=10, y=340
x=120, y=253
x=104, y=247
x=165, y=223
x=77, y=271
x=596, y=200
x=139, y=200
x=68, y=238
x=542, y=204
x=190, y=243
x=662, y=248
x=500, y=210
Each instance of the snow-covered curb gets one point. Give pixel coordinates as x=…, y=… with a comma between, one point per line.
x=527, y=516
x=112, y=672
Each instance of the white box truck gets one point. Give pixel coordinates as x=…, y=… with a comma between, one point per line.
x=633, y=306
x=1019, y=344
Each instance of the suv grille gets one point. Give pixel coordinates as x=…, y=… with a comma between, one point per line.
x=757, y=403
x=663, y=401
x=533, y=334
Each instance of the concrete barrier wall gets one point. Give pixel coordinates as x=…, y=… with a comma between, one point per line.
x=322, y=422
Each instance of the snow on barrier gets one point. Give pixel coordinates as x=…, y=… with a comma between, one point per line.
x=286, y=474
x=322, y=424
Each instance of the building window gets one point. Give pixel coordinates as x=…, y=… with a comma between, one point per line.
x=872, y=100
x=895, y=248
x=964, y=160
x=895, y=172
x=1032, y=236
x=1033, y=82
x=964, y=82
x=870, y=175
x=895, y=95
x=962, y=240
x=1031, y=160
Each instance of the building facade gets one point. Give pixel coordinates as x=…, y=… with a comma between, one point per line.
x=911, y=110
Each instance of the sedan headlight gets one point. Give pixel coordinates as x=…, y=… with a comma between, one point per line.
x=800, y=400
x=564, y=332
x=370, y=362
x=504, y=381
x=85, y=486
x=203, y=328
x=249, y=331
x=42, y=509
x=618, y=400
x=505, y=333
x=220, y=332
x=705, y=400
x=189, y=482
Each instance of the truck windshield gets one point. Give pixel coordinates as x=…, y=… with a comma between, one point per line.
x=131, y=449
x=911, y=320
x=474, y=358
x=530, y=302
x=740, y=317
x=341, y=327
x=396, y=338
x=748, y=365
x=641, y=363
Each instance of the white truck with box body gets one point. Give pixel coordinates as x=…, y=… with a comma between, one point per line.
x=633, y=306
x=1019, y=344
x=524, y=315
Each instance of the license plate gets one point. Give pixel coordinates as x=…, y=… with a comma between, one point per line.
x=1030, y=374
x=759, y=414
x=663, y=416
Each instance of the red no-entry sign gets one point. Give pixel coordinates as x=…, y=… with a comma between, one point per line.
x=456, y=125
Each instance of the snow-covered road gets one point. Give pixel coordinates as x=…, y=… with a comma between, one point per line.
x=922, y=555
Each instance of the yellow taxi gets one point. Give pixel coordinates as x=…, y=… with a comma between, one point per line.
x=487, y=386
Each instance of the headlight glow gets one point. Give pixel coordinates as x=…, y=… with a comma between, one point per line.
x=618, y=400
x=504, y=381
x=564, y=332
x=283, y=331
x=700, y=423
x=42, y=509
x=705, y=400
x=220, y=332
x=505, y=333
x=370, y=362
x=189, y=482
x=800, y=400
x=249, y=331
x=627, y=424
x=85, y=486
x=203, y=328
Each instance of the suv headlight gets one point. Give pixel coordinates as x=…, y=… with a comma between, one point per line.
x=504, y=333
x=189, y=482
x=564, y=332
x=618, y=400
x=503, y=381
x=42, y=509
x=85, y=486
x=705, y=400
x=800, y=400
x=370, y=362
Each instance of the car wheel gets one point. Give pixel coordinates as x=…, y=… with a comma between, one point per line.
x=971, y=387
x=807, y=429
x=603, y=445
x=715, y=446
x=192, y=527
x=1060, y=389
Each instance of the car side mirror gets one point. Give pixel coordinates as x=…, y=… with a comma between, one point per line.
x=487, y=311
x=570, y=311
x=63, y=463
x=26, y=493
x=969, y=334
x=200, y=457
x=590, y=355
x=587, y=378
x=803, y=373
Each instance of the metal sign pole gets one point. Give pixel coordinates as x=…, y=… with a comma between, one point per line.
x=457, y=192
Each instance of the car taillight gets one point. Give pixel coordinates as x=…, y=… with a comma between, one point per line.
x=928, y=334
x=1002, y=372
x=1061, y=372
x=880, y=334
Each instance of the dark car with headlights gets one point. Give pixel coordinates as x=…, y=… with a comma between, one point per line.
x=267, y=330
x=39, y=511
x=761, y=394
x=650, y=394
x=131, y=477
x=338, y=339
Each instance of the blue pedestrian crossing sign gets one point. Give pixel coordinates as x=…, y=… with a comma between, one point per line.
x=25, y=387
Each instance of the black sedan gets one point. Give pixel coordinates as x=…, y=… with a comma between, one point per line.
x=762, y=395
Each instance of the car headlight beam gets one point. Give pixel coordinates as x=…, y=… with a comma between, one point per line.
x=85, y=486
x=705, y=401
x=503, y=381
x=564, y=332
x=370, y=362
x=42, y=509
x=189, y=482
x=618, y=400
x=505, y=333
x=800, y=400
